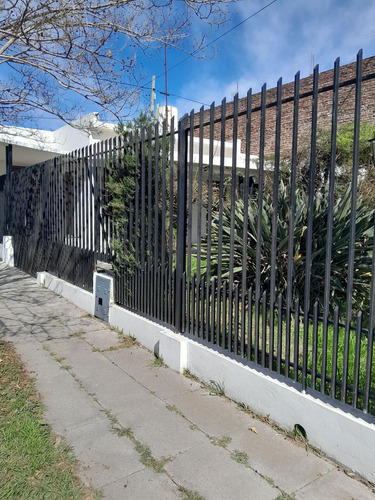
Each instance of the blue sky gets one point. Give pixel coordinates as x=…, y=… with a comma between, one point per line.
x=279, y=41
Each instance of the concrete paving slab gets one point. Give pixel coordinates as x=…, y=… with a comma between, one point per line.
x=164, y=383
x=213, y=414
x=166, y=432
x=107, y=457
x=103, y=339
x=68, y=408
x=212, y=472
x=114, y=389
x=145, y=484
x=290, y=466
x=335, y=485
x=84, y=324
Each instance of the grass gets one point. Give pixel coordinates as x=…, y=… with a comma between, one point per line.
x=237, y=342
x=35, y=464
x=216, y=388
x=158, y=362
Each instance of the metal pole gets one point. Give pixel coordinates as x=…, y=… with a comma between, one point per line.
x=181, y=220
x=9, y=164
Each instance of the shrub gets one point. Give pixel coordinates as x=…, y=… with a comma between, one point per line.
x=340, y=246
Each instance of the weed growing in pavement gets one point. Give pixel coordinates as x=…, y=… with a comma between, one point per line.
x=220, y=441
x=189, y=494
x=216, y=388
x=187, y=373
x=175, y=409
x=158, y=362
x=241, y=457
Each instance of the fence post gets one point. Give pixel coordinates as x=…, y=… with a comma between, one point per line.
x=181, y=219
x=9, y=164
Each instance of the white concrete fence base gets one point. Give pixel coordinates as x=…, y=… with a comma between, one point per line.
x=7, y=253
x=344, y=435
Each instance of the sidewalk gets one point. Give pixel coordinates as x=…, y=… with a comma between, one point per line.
x=142, y=431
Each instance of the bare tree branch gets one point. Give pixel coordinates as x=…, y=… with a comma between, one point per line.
x=51, y=50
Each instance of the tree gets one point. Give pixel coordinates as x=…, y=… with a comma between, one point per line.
x=54, y=53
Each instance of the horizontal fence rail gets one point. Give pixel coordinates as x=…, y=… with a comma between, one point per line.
x=249, y=226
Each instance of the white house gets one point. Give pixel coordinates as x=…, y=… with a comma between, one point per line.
x=31, y=146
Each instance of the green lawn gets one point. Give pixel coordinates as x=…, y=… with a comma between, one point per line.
x=34, y=464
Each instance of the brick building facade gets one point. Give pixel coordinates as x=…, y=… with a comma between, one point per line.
x=346, y=107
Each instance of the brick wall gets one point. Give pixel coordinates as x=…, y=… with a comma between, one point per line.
x=346, y=106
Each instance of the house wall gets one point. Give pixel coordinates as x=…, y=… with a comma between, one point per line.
x=346, y=106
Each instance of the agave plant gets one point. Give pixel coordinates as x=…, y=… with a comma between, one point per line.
x=340, y=246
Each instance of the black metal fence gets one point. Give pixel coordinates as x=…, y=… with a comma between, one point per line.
x=253, y=239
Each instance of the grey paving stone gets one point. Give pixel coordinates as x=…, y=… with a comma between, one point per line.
x=335, y=485
x=290, y=466
x=67, y=405
x=103, y=339
x=213, y=414
x=145, y=485
x=165, y=383
x=106, y=456
x=211, y=471
x=163, y=430
x=84, y=324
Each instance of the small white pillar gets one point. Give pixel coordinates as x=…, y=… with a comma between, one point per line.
x=8, y=250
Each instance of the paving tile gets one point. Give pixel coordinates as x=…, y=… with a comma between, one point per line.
x=163, y=382
x=213, y=414
x=106, y=456
x=211, y=471
x=103, y=339
x=145, y=485
x=166, y=432
x=335, y=485
x=290, y=466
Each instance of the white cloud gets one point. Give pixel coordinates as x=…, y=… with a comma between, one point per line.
x=279, y=42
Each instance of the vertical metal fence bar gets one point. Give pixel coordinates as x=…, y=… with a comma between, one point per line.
x=275, y=220
x=224, y=316
x=314, y=356
x=214, y=332
x=156, y=215
x=170, y=245
x=334, y=350
x=296, y=341
x=249, y=323
x=181, y=223
x=143, y=198
x=353, y=215
x=210, y=325
x=258, y=269
x=245, y=220
x=199, y=206
x=357, y=358
x=264, y=329
x=310, y=221
x=136, y=202
x=190, y=197
x=220, y=301
x=292, y=210
x=279, y=333
x=91, y=199
x=370, y=334
x=232, y=221
x=150, y=222
x=331, y=193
